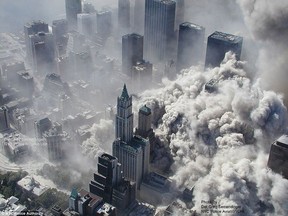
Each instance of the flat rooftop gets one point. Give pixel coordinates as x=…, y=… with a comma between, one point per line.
x=192, y=25
x=226, y=37
x=282, y=141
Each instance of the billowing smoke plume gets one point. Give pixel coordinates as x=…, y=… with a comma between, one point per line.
x=220, y=140
x=268, y=21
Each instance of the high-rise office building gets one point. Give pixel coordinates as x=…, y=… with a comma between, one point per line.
x=180, y=12
x=86, y=23
x=4, y=122
x=60, y=30
x=218, y=44
x=132, y=52
x=124, y=15
x=73, y=7
x=32, y=29
x=109, y=183
x=139, y=16
x=43, y=52
x=57, y=141
x=141, y=75
x=190, y=45
x=104, y=23
x=132, y=152
x=124, y=117
x=159, y=29
x=278, y=157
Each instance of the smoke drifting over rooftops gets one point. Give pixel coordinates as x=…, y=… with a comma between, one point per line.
x=220, y=140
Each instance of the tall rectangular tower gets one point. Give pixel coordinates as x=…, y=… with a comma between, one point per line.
x=218, y=44
x=158, y=28
x=73, y=7
x=190, y=45
x=124, y=14
x=4, y=123
x=132, y=52
x=104, y=23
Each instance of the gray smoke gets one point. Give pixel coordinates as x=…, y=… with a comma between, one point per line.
x=268, y=22
x=220, y=141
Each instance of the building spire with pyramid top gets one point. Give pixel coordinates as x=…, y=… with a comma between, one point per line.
x=124, y=95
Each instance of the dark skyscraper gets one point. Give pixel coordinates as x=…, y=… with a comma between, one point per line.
x=124, y=14
x=4, y=123
x=218, y=44
x=139, y=11
x=159, y=28
x=180, y=9
x=73, y=7
x=132, y=51
x=190, y=45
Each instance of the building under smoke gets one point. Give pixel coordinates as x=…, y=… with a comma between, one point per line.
x=60, y=30
x=190, y=45
x=73, y=7
x=218, y=44
x=104, y=23
x=141, y=76
x=32, y=29
x=124, y=15
x=86, y=23
x=4, y=120
x=133, y=152
x=132, y=52
x=109, y=183
x=159, y=29
x=278, y=157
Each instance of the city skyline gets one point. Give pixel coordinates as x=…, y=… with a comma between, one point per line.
x=179, y=104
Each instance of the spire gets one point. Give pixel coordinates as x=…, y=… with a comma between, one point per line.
x=124, y=95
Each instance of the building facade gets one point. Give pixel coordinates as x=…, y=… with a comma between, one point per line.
x=218, y=44
x=158, y=29
x=4, y=121
x=124, y=15
x=132, y=52
x=190, y=45
x=73, y=7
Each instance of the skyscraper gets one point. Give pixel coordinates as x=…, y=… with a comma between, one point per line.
x=139, y=15
x=190, y=45
x=124, y=15
x=132, y=152
x=158, y=29
x=132, y=52
x=218, y=44
x=32, y=29
x=124, y=117
x=86, y=23
x=104, y=23
x=73, y=7
x=180, y=12
x=4, y=123
x=141, y=75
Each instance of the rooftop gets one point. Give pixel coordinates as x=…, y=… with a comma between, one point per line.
x=282, y=141
x=226, y=37
x=192, y=25
x=145, y=110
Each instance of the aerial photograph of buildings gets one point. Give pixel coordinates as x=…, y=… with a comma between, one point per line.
x=143, y=107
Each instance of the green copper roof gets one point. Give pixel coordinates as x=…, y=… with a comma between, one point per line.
x=145, y=110
x=74, y=193
x=124, y=94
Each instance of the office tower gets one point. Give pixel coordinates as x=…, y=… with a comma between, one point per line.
x=159, y=29
x=141, y=75
x=73, y=7
x=180, y=12
x=132, y=152
x=88, y=8
x=32, y=29
x=132, y=51
x=43, y=52
x=278, y=157
x=60, y=30
x=86, y=23
x=144, y=126
x=139, y=16
x=218, y=44
x=104, y=23
x=26, y=84
x=124, y=15
x=4, y=122
x=108, y=176
x=190, y=45
x=41, y=127
x=124, y=117
x=109, y=183
x=56, y=141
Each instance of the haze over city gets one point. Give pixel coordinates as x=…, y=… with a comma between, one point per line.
x=133, y=107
